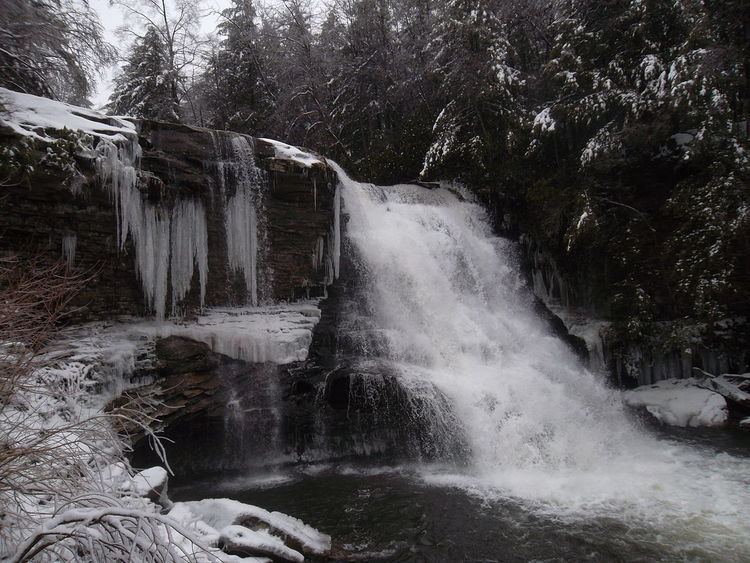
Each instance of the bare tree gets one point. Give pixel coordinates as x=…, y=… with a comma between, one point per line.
x=53, y=48
x=176, y=23
x=59, y=495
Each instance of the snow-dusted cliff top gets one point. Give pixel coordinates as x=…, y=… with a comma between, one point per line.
x=33, y=116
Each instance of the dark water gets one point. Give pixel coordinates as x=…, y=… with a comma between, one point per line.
x=394, y=514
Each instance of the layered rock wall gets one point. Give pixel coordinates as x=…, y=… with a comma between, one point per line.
x=188, y=180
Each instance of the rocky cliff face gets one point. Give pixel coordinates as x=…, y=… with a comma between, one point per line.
x=166, y=218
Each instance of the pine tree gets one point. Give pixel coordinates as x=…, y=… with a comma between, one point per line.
x=240, y=95
x=481, y=87
x=145, y=86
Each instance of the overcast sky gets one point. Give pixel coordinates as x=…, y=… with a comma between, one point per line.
x=112, y=17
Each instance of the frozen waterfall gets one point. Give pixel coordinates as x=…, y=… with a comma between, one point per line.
x=450, y=310
x=171, y=241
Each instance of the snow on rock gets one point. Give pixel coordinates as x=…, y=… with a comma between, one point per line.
x=278, y=334
x=105, y=353
x=148, y=482
x=295, y=154
x=222, y=513
x=32, y=116
x=243, y=541
x=680, y=402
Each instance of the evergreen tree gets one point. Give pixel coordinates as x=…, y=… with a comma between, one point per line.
x=235, y=78
x=145, y=86
x=480, y=89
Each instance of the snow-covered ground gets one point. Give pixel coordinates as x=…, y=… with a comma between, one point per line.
x=680, y=402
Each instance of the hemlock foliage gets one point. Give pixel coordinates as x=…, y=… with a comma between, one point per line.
x=613, y=133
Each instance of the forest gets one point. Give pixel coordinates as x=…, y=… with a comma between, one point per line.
x=613, y=133
x=446, y=279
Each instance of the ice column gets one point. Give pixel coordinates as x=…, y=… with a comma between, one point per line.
x=69, y=241
x=157, y=233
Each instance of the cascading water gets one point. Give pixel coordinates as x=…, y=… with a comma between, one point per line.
x=451, y=312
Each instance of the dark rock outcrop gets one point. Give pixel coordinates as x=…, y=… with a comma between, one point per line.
x=41, y=212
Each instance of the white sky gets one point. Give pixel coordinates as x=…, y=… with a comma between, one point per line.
x=113, y=17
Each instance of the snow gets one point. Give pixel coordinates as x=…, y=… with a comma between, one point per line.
x=222, y=513
x=32, y=116
x=152, y=479
x=543, y=122
x=295, y=154
x=680, y=402
x=245, y=540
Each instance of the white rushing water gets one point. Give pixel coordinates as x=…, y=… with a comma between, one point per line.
x=446, y=296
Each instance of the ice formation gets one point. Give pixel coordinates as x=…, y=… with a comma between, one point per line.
x=168, y=243
x=680, y=402
x=241, y=185
x=189, y=238
x=69, y=241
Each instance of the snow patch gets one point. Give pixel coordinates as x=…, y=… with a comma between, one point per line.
x=223, y=513
x=32, y=116
x=680, y=402
x=152, y=479
x=294, y=154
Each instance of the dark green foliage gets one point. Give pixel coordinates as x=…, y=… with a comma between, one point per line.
x=146, y=87
x=613, y=133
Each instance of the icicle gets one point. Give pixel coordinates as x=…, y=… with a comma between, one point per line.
x=189, y=246
x=69, y=241
x=242, y=240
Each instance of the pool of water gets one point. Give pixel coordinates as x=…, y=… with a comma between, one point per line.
x=427, y=513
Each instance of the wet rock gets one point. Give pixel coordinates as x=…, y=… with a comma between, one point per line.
x=178, y=355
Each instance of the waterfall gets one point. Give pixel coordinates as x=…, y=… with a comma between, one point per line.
x=451, y=311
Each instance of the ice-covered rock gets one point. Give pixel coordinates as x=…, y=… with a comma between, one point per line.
x=218, y=514
x=680, y=402
x=294, y=154
x=238, y=540
x=150, y=483
x=32, y=116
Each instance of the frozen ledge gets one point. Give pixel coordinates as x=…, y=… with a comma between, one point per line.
x=293, y=154
x=111, y=351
